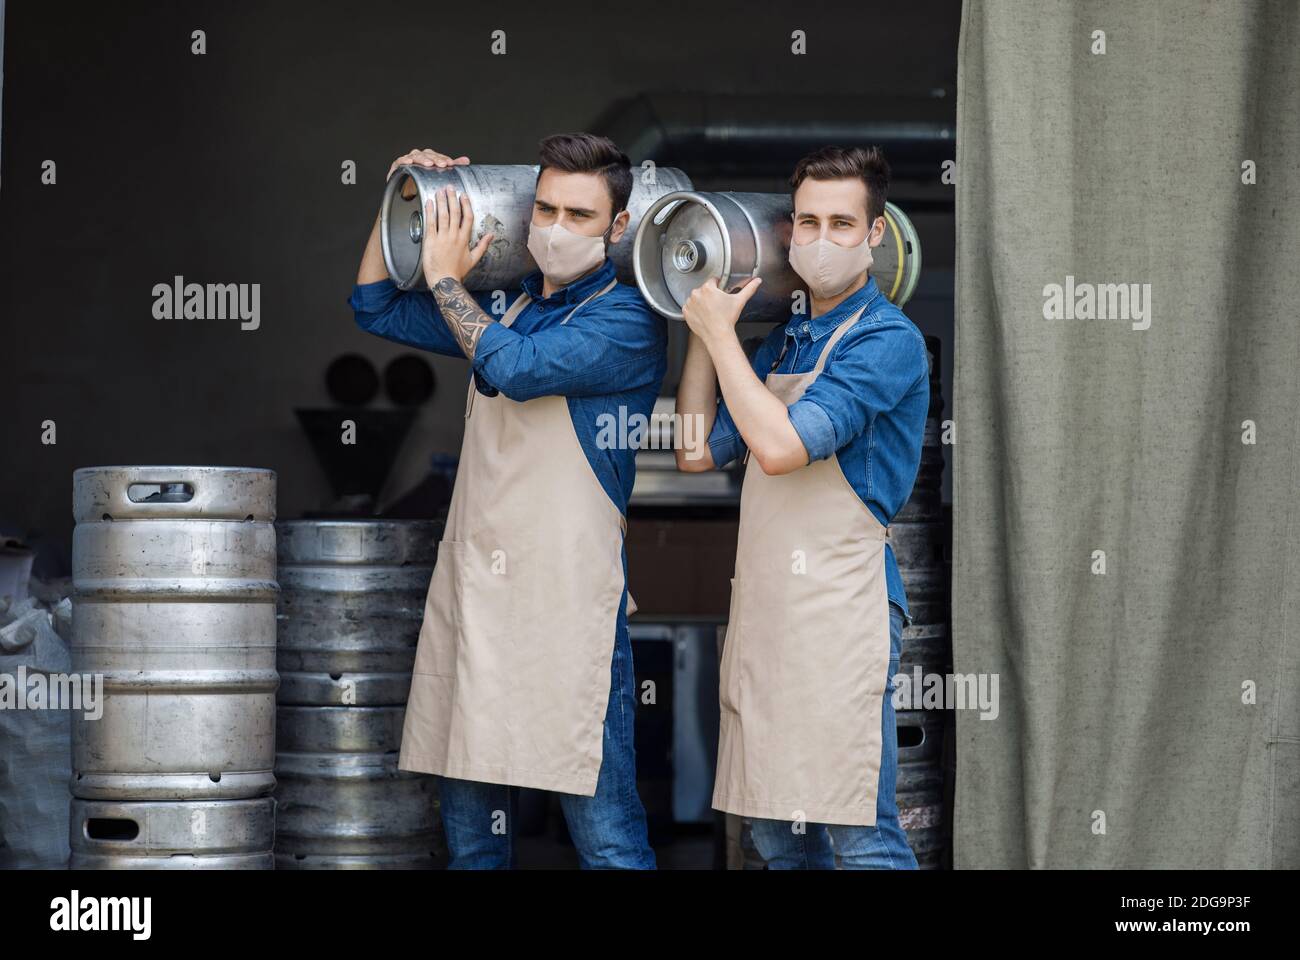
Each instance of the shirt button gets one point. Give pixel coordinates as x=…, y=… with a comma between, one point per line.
x=805, y=326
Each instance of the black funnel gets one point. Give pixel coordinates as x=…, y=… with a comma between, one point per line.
x=358, y=468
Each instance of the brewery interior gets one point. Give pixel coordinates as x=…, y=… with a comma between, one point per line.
x=232, y=167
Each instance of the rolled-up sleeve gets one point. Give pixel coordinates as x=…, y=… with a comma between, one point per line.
x=815, y=429
x=871, y=369
x=609, y=346
x=725, y=441
x=409, y=317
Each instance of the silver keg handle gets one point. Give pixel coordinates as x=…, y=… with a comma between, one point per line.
x=160, y=491
x=105, y=494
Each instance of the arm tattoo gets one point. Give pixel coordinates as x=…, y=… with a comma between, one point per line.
x=464, y=318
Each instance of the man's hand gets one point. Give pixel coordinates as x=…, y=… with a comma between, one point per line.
x=448, y=224
x=712, y=313
x=427, y=157
x=372, y=267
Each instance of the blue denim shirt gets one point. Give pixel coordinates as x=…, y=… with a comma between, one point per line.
x=610, y=354
x=868, y=406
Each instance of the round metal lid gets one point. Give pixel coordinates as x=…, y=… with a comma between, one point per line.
x=402, y=220
x=694, y=247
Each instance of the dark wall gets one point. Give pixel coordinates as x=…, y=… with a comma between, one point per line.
x=225, y=168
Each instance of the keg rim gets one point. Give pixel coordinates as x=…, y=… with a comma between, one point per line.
x=411, y=282
x=648, y=223
x=102, y=491
x=908, y=276
x=350, y=521
x=206, y=468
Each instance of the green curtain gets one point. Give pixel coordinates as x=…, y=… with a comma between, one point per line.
x=1125, y=462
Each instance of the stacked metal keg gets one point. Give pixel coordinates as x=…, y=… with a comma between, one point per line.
x=352, y=598
x=919, y=541
x=174, y=607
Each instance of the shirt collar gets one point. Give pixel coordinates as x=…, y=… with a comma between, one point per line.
x=818, y=327
x=575, y=292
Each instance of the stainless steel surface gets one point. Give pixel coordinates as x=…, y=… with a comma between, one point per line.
x=172, y=835
x=660, y=484
x=695, y=708
x=919, y=790
x=351, y=603
x=352, y=596
x=658, y=481
x=502, y=199
x=151, y=493
x=174, y=604
x=919, y=542
x=919, y=550
x=343, y=804
x=687, y=237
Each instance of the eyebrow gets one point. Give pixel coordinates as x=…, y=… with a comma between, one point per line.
x=832, y=216
x=570, y=209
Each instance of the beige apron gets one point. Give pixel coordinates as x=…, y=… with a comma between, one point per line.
x=806, y=657
x=512, y=672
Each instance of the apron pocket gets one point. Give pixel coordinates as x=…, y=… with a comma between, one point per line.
x=436, y=653
x=729, y=670
x=485, y=600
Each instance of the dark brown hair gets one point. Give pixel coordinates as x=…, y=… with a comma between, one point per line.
x=588, y=153
x=836, y=163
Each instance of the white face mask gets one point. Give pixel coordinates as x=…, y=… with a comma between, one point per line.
x=827, y=267
x=563, y=255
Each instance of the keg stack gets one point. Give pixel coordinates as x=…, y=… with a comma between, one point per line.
x=352, y=598
x=174, y=606
x=920, y=540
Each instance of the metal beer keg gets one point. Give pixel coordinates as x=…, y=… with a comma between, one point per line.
x=501, y=196
x=174, y=605
x=687, y=237
x=352, y=595
x=172, y=834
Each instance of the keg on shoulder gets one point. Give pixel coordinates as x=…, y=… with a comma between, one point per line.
x=501, y=196
x=174, y=605
x=687, y=237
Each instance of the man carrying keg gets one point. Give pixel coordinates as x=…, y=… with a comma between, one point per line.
x=829, y=416
x=523, y=674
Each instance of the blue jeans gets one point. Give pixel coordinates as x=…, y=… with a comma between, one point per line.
x=608, y=829
x=880, y=847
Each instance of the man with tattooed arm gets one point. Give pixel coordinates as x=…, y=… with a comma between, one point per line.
x=523, y=674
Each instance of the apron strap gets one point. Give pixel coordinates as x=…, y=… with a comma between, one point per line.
x=512, y=314
x=842, y=329
x=608, y=287
x=516, y=308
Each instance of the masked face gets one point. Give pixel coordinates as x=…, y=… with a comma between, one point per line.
x=828, y=268
x=563, y=255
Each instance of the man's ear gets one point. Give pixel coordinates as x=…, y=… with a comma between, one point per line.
x=877, y=232
x=619, y=226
